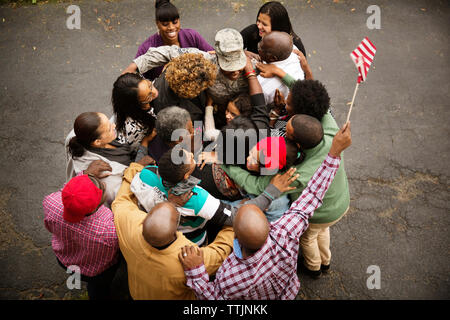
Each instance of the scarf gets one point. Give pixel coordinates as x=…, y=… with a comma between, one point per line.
x=123, y=153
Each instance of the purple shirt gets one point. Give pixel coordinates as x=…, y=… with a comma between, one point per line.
x=188, y=38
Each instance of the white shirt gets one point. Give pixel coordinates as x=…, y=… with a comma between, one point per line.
x=292, y=67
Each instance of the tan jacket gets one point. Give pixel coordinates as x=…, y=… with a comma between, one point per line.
x=152, y=273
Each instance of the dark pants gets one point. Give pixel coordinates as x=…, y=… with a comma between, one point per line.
x=99, y=286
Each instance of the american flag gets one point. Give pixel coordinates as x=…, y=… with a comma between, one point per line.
x=363, y=56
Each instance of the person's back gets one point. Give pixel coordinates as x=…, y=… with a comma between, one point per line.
x=264, y=262
x=200, y=208
x=83, y=231
x=69, y=240
x=337, y=198
x=267, y=272
x=154, y=272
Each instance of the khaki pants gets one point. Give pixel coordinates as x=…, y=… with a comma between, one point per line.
x=315, y=244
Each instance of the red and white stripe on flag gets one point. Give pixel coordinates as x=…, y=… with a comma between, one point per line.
x=363, y=56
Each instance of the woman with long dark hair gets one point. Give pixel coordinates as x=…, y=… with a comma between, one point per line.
x=272, y=16
x=131, y=101
x=170, y=33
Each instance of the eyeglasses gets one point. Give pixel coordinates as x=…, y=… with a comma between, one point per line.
x=150, y=84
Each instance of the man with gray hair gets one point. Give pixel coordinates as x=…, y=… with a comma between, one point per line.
x=173, y=126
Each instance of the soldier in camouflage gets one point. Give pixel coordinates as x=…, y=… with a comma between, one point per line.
x=229, y=56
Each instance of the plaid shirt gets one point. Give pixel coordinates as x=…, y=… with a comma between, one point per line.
x=91, y=244
x=270, y=273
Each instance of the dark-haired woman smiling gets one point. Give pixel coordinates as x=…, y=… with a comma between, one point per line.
x=170, y=33
x=131, y=98
x=272, y=16
x=95, y=140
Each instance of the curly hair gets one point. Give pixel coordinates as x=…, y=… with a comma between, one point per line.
x=310, y=97
x=190, y=74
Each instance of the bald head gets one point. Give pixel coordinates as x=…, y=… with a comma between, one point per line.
x=251, y=227
x=305, y=130
x=276, y=46
x=160, y=226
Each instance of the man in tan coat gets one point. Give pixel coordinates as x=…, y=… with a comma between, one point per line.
x=150, y=244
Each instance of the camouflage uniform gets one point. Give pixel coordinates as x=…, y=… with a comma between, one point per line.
x=229, y=56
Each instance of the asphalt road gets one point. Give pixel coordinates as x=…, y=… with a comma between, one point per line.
x=399, y=216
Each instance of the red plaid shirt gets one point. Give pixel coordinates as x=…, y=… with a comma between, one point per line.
x=270, y=273
x=91, y=244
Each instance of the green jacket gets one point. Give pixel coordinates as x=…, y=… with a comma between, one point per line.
x=337, y=198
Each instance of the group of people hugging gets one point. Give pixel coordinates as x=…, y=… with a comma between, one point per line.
x=218, y=174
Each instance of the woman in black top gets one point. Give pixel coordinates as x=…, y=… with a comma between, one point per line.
x=272, y=16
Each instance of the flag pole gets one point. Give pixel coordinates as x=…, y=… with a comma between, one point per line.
x=353, y=100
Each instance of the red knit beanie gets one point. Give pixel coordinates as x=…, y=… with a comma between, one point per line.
x=80, y=197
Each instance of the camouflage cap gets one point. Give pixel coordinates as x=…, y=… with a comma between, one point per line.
x=229, y=48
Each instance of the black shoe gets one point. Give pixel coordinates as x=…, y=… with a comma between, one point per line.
x=324, y=268
x=315, y=274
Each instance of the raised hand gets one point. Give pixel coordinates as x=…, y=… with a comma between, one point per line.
x=341, y=141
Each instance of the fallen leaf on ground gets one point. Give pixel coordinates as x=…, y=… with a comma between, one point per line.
x=236, y=6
